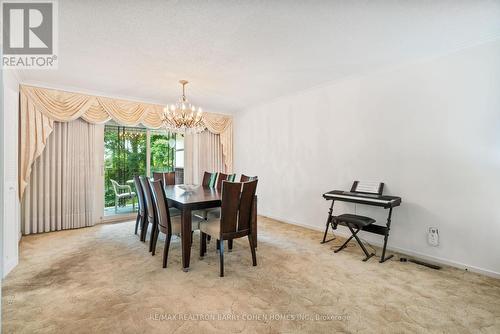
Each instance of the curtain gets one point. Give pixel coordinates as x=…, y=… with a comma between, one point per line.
x=223, y=125
x=40, y=107
x=61, y=192
x=202, y=152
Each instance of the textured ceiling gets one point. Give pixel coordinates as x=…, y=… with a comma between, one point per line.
x=241, y=53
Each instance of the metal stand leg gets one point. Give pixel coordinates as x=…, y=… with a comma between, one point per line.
x=386, y=238
x=354, y=234
x=343, y=245
x=329, y=221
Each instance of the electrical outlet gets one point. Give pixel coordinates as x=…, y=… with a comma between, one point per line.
x=433, y=236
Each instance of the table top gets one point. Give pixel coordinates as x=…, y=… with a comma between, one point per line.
x=200, y=197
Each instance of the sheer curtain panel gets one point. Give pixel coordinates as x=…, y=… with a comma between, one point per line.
x=61, y=193
x=202, y=152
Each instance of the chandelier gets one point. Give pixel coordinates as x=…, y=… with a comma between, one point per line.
x=183, y=117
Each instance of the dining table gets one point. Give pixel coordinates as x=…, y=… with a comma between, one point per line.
x=192, y=198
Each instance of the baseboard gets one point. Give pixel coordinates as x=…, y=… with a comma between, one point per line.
x=118, y=218
x=399, y=250
x=8, y=266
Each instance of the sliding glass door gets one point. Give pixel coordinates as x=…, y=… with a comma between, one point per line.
x=162, y=157
x=130, y=151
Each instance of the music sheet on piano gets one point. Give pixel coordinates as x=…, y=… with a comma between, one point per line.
x=367, y=187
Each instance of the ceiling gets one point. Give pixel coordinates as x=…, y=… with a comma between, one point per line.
x=237, y=54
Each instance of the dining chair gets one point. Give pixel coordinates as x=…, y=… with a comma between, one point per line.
x=141, y=212
x=215, y=212
x=221, y=177
x=165, y=223
x=245, y=178
x=150, y=209
x=235, y=221
x=208, y=179
x=158, y=176
x=167, y=179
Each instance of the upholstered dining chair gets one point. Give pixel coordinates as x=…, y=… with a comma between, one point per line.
x=165, y=223
x=209, y=179
x=170, y=178
x=215, y=212
x=245, y=178
x=167, y=179
x=141, y=213
x=235, y=220
x=150, y=209
x=221, y=177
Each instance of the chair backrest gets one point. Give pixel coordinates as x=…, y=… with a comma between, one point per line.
x=140, y=196
x=148, y=197
x=169, y=178
x=206, y=179
x=162, y=213
x=221, y=177
x=231, y=177
x=158, y=176
x=236, y=208
x=245, y=178
x=115, y=186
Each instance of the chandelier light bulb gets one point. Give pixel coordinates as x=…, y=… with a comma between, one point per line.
x=183, y=117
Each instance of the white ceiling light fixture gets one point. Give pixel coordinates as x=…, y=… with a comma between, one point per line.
x=183, y=117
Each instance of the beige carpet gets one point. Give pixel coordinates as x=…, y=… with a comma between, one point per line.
x=103, y=280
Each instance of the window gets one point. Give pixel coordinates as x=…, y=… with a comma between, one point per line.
x=130, y=151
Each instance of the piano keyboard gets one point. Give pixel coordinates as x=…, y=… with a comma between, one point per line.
x=369, y=199
x=363, y=198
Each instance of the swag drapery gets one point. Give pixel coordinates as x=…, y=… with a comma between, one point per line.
x=40, y=107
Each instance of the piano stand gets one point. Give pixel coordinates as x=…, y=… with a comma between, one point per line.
x=386, y=237
x=329, y=221
x=332, y=221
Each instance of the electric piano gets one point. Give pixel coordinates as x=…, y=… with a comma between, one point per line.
x=359, y=198
x=366, y=193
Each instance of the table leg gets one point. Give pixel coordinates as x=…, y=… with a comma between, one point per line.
x=186, y=237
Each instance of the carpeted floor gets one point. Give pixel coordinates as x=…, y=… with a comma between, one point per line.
x=103, y=280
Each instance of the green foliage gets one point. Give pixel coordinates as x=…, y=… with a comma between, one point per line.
x=125, y=156
x=162, y=154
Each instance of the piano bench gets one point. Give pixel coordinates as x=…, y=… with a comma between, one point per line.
x=356, y=220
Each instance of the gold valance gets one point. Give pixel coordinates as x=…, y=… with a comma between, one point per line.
x=40, y=107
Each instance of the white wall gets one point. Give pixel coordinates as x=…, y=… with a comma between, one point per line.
x=11, y=214
x=429, y=130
